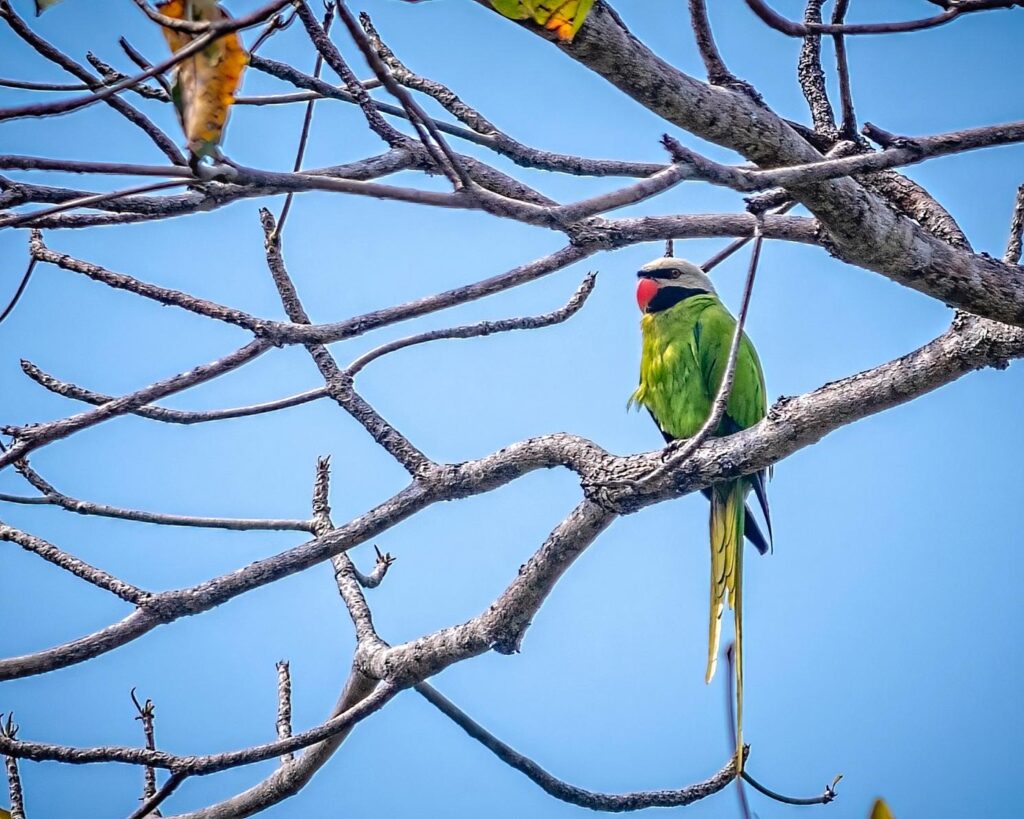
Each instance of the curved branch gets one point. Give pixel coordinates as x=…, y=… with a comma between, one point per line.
x=771, y=17
x=83, y=507
x=164, y=414
x=609, y=803
x=483, y=328
x=203, y=765
x=29, y=439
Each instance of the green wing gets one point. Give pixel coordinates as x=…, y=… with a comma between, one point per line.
x=713, y=334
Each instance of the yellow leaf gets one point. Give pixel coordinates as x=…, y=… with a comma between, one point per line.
x=6, y=814
x=204, y=84
x=563, y=17
x=41, y=6
x=880, y=810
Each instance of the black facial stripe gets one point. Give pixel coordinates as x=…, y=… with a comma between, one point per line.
x=658, y=274
x=670, y=296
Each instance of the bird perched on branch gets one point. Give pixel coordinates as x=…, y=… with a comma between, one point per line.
x=687, y=333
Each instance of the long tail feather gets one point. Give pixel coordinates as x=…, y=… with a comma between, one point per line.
x=759, y=479
x=728, y=514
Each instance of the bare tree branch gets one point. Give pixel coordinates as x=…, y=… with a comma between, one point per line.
x=611, y=803
x=827, y=796
x=170, y=416
x=52, y=497
x=28, y=439
x=812, y=77
x=1013, y=245
x=147, y=714
x=8, y=730
x=214, y=31
x=786, y=26
x=69, y=563
x=429, y=134
x=205, y=764
x=284, y=706
x=863, y=212
x=54, y=55
x=485, y=133
x=848, y=126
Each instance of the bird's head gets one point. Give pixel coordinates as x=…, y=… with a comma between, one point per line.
x=667, y=281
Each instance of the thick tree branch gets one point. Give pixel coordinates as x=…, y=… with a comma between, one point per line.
x=861, y=228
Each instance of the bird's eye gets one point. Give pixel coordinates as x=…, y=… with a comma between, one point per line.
x=675, y=274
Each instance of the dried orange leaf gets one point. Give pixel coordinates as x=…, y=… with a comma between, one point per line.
x=205, y=83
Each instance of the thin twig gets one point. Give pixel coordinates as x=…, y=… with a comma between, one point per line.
x=482, y=328
x=307, y=120
x=29, y=85
x=54, y=55
x=20, y=290
x=30, y=439
x=149, y=807
x=848, y=126
x=824, y=799
x=338, y=384
x=718, y=73
x=275, y=24
x=448, y=160
x=213, y=32
x=794, y=29
x=480, y=131
x=356, y=91
x=83, y=507
x=731, y=728
x=165, y=414
x=380, y=569
x=202, y=765
x=572, y=794
x=9, y=730
x=284, y=706
x=26, y=219
x=147, y=714
x=1013, y=245
x=737, y=244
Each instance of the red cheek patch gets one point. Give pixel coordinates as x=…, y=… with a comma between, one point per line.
x=645, y=291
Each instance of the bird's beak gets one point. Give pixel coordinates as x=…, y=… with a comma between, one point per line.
x=646, y=290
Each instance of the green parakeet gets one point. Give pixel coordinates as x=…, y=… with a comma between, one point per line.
x=687, y=333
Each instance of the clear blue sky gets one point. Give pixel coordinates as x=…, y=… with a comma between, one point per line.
x=883, y=633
